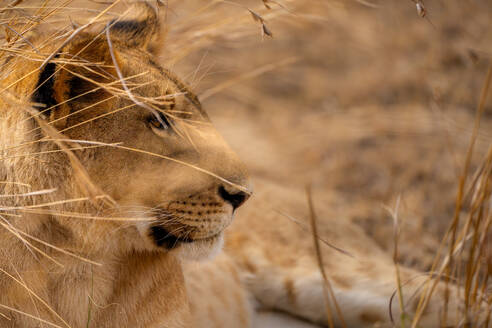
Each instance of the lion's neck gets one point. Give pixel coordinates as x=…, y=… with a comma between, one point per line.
x=80, y=288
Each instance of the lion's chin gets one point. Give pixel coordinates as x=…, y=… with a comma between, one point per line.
x=157, y=237
x=201, y=249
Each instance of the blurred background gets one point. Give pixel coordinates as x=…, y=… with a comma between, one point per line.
x=366, y=100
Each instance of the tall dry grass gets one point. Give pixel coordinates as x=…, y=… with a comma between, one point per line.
x=376, y=100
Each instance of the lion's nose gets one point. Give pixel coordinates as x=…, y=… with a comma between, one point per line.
x=235, y=199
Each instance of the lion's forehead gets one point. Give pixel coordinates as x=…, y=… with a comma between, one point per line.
x=163, y=85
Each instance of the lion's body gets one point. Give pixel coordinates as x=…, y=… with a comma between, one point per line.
x=130, y=273
x=275, y=258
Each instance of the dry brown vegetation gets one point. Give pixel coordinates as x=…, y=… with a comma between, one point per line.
x=371, y=103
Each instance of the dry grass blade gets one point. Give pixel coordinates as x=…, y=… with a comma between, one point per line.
x=30, y=316
x=123, y=82
x=5, y=317
x=16, y=183
x=261, y=20
x=30, y=246
x=477, y=270
x=74, y=34
x=74, y=215
x=254, y=73
x=452, y=232
x=368, y=4
x=32, y=154
x=85, y=182
x=303, y=226
x=29, y=194
x=266, y=31
x=31, y=292
x=422, y=12
x=396, y=237
x=22, y=37
x=59, y=202
x=265, y=3
x=242, y=188
x=256, y=17
x=61, y=250
x=319, y=257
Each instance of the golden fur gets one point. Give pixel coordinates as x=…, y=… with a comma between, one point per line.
x=176, y=210
x=131, y=214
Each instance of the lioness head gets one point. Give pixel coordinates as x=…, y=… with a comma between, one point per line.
x=159, y=157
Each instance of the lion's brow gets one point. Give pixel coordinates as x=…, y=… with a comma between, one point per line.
x=181, y=87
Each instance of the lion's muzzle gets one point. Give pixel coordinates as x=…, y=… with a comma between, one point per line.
x=196, y=218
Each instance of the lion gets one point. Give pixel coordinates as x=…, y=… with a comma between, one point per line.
x=113, y=181
x=177, y=210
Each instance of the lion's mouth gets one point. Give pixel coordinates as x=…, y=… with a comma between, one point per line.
x=164, y=238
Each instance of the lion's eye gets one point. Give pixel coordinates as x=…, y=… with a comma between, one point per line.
x=161, y=123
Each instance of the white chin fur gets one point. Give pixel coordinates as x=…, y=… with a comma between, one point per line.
x=200, y=250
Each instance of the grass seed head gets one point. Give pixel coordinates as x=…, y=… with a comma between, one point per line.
x=421, y=9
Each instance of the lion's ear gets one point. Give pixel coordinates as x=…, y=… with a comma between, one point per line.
x=63, y=85
x=138, y=27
